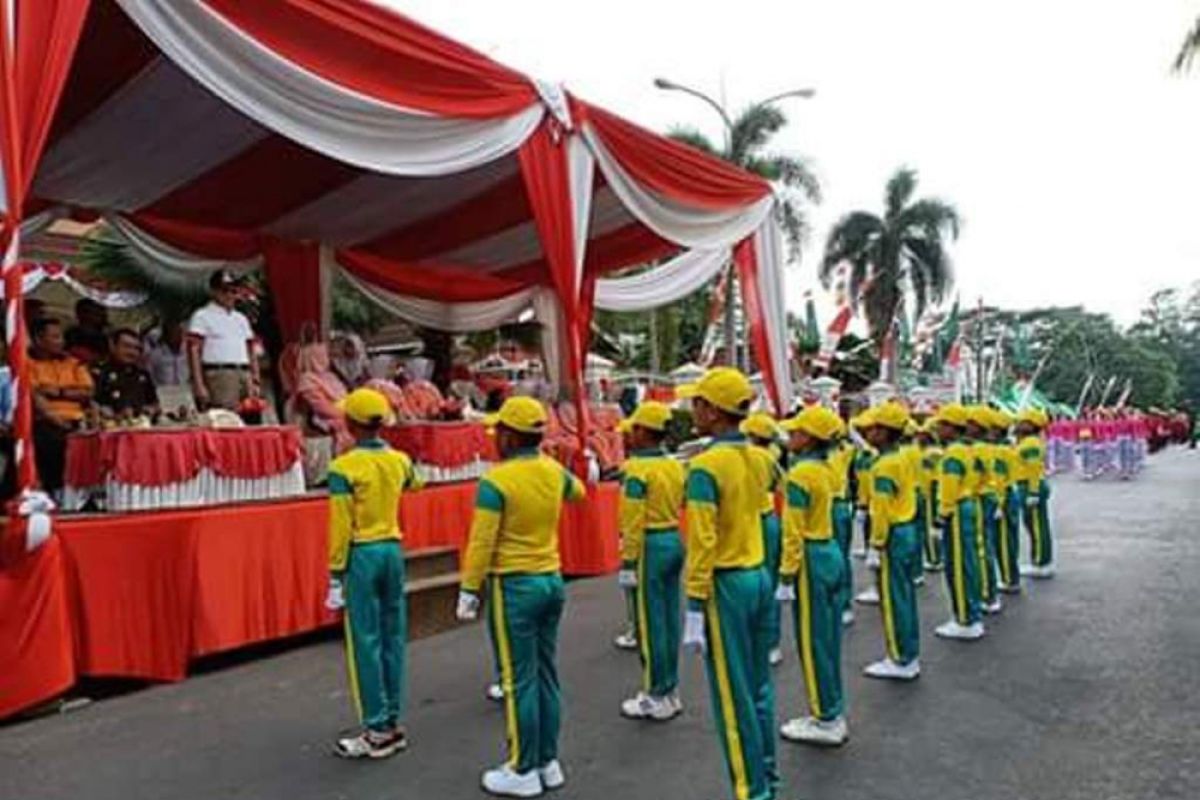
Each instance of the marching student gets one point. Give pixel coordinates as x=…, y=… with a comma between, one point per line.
x=911, y=450
x=513, y=551
x=931, y=535
x=958, y=517
x=864, y=458
x=840, y=454
x=1008, y=518
x=895, y=537
x=652, y=558
x=366, y=567
x=814, y=576
x=729, y=594
x=762, y=431
x=979, y=420
x=1031, y=477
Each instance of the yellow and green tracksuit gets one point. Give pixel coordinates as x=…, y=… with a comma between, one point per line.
x=1031, y=477
x=958, y=512
x=894, y=533
x=365, y=487
x=989, y=505
x=772, y=534
x=814, y=564
x=864, y=457
x=1008, y=536
x=912, y=452
x=931, y=457
x=651, y=501
x=513, y=550
x=839, y=460
x=725, y=580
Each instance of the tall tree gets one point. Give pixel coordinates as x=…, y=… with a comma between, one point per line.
x=902, y=253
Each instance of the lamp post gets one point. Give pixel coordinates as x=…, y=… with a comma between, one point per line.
x=731, y=351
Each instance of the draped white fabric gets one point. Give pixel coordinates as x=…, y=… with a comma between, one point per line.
x=41, y=221
x=168, y=264
x=768, y=249
x=686, y=226
x=666, y=283
x=548, y=312
x=581, y=169
x=319, y=114
x=118, y=298
x=206, y=489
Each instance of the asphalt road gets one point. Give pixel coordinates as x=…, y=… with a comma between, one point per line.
x=1087, y=687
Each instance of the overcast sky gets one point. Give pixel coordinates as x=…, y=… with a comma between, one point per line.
x=1055, y=126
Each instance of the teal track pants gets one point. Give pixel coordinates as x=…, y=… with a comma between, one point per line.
x=1037, y=522
x=523, y=618
x=1008, y=544
x=738, y=630
x=658, y=611
x=989, y=544
x=822, y=588
x=843, y=532
x=376, y=632
x=898, y=594
x=772, y=552
x=930, y=544
x=962, y=563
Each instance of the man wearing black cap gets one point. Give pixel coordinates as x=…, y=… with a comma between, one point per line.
x=221, y=348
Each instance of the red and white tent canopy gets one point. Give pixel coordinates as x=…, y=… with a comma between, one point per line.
x=311, y=136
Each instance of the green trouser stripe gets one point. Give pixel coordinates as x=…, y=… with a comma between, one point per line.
x=817, y=612
x=524, y=618
x=1010, y=537
x=988, y=542
x=739, y=674
x=898, y=594
x=772, y=535
x=962, y=563
x=843, y=531
x=658, y=599
x=376, y=632
x=1037, y=520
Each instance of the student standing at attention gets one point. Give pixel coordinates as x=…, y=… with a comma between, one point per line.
x=958, y=518
x=1031, y=476
x=513, y=551
x=729, y=594
x=652, y=558
x=762, y=431
x=366, y=566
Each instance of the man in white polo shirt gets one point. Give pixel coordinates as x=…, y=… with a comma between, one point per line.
x=221, y=348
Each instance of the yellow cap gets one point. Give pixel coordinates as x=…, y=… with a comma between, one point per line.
x=650, y=414
x=890, y=415
x=366, y=407
x=911, y=428
x=817, y=421
x=1001, y=419
x=760, y=425
x=979, y=415
x=725, y=387
x=522, y=414
x=862, y=419
x=952, y=414
x=1034, y=416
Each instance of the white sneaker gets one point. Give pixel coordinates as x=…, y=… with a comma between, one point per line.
x=890, y=670
x=626, y=641
x=1009, y=588
x=495, y=693
x=994, y=607
x=952, y=630
x=847, y=618
x=676, y=703
x=813, y=731
x=858, y=551
x=919, y=580
x=868, y=597
x=776, y=657
x=644, y=706
x=930, y=567
x=552, y=776
x=503, y=781
x=1044, y=572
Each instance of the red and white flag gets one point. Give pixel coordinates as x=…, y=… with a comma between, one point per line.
x=833, y=334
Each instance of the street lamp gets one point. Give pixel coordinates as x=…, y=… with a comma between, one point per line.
x=671, y=86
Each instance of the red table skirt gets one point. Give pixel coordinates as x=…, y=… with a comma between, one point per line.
x=161, y=456
x=442, y=444
x=141, y=595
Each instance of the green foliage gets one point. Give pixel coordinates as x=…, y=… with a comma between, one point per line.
x=857, y=364
x=112, y=263
x=353, y=311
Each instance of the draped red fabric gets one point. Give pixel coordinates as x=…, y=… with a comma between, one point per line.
x=432, y=281
x=36, y=659
x=746, y=258
x=672, y=169
x=201, y=240
x=294, y=278
x=382, y=54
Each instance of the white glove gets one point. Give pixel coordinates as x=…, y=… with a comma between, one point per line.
x=335, y=596
x=860, y=517
x=873, y=560
x=693, y=631
x=627, y=579
x=468, y=606
x=1031, y=501
x=785, y=593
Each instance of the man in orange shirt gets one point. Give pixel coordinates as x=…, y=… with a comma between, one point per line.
x=62, y=391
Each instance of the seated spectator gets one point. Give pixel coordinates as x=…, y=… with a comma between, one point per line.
x=124, y=389
x=61, y=387
x=348, y=357
x=313, y=408
x=87, y=339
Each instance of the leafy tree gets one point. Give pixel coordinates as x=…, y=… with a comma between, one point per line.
x=899, y=255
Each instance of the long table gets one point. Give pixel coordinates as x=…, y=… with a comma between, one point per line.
x=141, y=595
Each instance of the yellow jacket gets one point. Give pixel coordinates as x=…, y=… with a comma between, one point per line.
x=651, y=498
x=515, y=527
x=984, y=456
x=1031, y=461
x=839, y=459
x=956, y=478
x=1004, y=466
x=808, y=515
x=931, y=458
x=864, y=458
x=365, y=485
x=893, y=493
x=725, y=487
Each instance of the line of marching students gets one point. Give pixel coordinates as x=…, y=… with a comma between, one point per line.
x=951, y=494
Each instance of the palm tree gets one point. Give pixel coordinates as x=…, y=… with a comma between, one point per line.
x=899, y=256
x=1188, y=49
